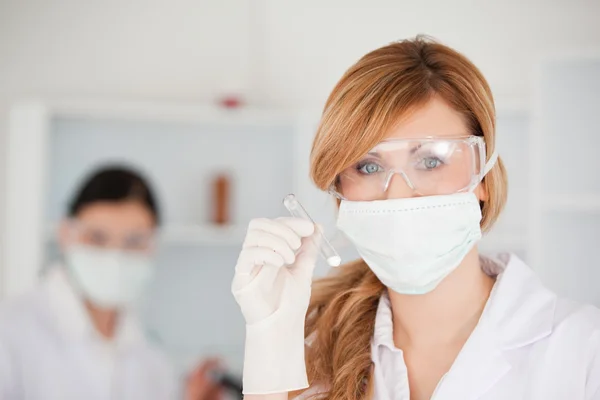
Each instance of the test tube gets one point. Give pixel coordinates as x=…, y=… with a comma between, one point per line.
x=325, y=248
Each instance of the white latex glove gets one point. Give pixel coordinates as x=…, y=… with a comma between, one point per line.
x=272, y=287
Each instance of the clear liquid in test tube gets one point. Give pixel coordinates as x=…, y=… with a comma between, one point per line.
x=325, y=248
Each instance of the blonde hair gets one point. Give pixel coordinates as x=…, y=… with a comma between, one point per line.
x=373, y=94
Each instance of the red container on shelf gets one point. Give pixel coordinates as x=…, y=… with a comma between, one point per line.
x=221, y=192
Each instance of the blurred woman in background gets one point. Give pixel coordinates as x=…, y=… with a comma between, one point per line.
x=75, y=336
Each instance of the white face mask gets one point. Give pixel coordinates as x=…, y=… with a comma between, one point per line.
x=412, y=244
x=109, y=278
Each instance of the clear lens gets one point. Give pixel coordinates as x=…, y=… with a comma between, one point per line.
x=428, y=167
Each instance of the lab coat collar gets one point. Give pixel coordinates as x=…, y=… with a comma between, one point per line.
x=69, y=316
x=519, y=311
x=520, y=308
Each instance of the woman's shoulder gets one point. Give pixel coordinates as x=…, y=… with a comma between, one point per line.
x=21, y=322
x=520, y=295
x=526, y=311
x=575, y=318
x=576, y=336
x=21, y=310
x=33, y=314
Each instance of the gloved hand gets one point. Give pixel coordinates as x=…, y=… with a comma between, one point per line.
x=272, y=287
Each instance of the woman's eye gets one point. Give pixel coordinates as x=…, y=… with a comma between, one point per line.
x=136, y=242
x=97, y=238
x=369, y=168
x=429, y=163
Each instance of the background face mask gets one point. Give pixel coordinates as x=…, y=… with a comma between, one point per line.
x=109, y=278
x=413, y=244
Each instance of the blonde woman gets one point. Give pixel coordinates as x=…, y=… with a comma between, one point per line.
x=407, y=144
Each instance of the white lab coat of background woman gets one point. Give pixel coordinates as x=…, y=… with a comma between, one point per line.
x=50, y=350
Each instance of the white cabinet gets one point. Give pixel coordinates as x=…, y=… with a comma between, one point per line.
x=179, y=148
x=565, y=177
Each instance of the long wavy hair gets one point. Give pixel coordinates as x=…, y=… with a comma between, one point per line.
x=369, y=99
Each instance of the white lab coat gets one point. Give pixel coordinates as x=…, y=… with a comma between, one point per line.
x=528, y=345
x=50, y=351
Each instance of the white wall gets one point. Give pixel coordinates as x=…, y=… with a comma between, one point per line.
x=308, y=46
x=294, y=53
x=280, y=53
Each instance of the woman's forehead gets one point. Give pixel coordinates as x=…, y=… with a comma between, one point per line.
x=434, y=119
x=116, y=216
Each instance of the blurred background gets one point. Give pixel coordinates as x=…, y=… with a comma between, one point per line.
x=202, y=95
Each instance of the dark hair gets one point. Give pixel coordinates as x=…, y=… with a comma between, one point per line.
x=115, y=184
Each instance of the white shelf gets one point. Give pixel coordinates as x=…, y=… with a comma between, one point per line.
x=188, y=235
x=572, y=202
